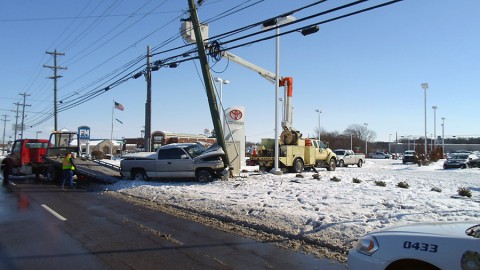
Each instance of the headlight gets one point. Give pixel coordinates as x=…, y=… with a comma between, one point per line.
x=367, y=245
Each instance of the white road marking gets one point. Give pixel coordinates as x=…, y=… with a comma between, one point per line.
x=57, y=215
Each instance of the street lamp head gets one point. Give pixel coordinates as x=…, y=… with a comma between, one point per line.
x=218, y=79
x=425, y=86
x=319, y=111
x=434, y=107
x=226, y=82
x=443, y=118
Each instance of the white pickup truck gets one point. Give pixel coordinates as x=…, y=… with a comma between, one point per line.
x=348, y=157
x=178, y=160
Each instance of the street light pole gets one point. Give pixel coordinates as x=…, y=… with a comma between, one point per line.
x=389, y=135
x=222, y=111
x=319, y=112
x=277, y=22
x=425, y=87
x=434, y=126
x=443, y=136
x=366, y=139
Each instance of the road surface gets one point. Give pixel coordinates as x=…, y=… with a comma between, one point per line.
x=45, y=227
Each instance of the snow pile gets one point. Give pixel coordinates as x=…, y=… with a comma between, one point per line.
x=324, y=211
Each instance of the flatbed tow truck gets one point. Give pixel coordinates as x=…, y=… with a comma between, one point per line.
x=44, y=157
x=85, y=168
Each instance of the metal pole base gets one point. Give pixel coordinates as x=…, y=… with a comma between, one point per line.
x=276, y=171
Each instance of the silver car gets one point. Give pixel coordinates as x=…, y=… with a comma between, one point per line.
x=427, y=246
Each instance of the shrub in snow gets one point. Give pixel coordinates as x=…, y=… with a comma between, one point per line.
x=403, y=185
x=380, y=183
x=244, y=171
x=356, y=180
x=299, y=175
x=335, y=179
x=316, y=176
x=465, y=192
x=436, y=189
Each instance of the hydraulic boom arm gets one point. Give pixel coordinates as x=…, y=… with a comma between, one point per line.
x=289, y=135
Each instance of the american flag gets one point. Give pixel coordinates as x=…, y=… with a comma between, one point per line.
x=119, y=106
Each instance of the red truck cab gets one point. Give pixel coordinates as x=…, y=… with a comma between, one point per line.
x=26, y=157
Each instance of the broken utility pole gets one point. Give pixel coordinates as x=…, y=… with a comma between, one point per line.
x=212, y=99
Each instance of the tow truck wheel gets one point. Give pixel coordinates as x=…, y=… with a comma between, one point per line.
x=139, y=175
x=203, y=176
x=297, y=166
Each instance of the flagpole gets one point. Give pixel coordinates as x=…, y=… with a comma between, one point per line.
x=111, y=132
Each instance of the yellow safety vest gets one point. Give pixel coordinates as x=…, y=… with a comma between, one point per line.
x=67, y=164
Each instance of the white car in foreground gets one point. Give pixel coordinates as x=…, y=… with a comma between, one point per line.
x=428, y=246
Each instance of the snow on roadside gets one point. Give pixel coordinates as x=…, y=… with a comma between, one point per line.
x=324, y=211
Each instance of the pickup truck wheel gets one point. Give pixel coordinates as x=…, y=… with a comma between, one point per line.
x=341, y=163
x=297, y=166
x=332, y=165
x=204, y=176
x=139, y=175
x=360, y=163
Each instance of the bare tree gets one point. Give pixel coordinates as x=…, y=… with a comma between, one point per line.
x=361, y=132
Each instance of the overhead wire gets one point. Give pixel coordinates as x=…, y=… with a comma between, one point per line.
x=97, y=92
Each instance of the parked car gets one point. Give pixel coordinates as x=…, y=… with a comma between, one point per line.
x=381, y=155
x=459, y=160
x=410, y=156
x=474, y=163
x=428, y=246
x=178, y=160
x=348, y=157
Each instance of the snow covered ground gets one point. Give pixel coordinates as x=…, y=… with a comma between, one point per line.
x=323, y=211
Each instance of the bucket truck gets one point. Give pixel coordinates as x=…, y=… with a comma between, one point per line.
x=295, y=152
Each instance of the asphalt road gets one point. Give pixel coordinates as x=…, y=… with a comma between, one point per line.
x=45, y=227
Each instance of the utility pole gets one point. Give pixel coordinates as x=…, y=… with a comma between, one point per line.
x=16, y=120
x=4, y=126
x=23, y=111
x=55, y=77
x=207, y=78
x=148, y=104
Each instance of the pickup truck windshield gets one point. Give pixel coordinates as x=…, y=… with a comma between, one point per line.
x=340, y=152
x=195, y=150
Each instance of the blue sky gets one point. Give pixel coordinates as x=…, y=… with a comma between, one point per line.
x=367, y=68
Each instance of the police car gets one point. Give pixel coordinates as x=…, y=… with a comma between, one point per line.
x=428, y=246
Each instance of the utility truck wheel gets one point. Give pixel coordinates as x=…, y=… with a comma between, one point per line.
x=297, y=166
x=332, y=165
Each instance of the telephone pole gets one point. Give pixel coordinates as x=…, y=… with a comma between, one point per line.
x=23, y=111
x=55, y=77
x=207, y=78
x=16, y=120
x=148, y=104
x=4, y=126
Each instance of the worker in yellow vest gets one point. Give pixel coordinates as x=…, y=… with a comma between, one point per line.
x=68, y=167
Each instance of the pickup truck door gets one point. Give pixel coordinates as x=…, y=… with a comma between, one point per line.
x=173, y=162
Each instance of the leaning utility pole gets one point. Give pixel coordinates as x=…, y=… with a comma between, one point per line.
x=4, y=126
x=55, y=77
x=207, y=78
x=148, y=104
x=23, y=111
